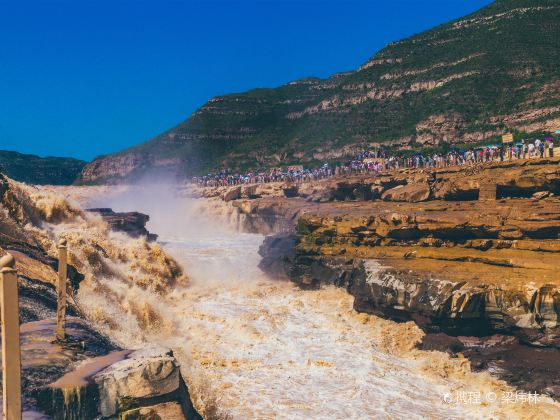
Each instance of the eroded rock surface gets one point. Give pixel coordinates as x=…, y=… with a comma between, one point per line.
x=452, y=262
x=58, y=375
x=144, y=375
x=120, y=384
x=132, y=223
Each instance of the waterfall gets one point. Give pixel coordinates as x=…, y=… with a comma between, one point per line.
x=251, y=347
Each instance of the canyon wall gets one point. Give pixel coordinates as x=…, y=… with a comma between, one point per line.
x=423, y=244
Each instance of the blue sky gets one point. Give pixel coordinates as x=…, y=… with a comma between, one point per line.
x=83, y=78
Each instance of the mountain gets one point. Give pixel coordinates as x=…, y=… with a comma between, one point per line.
x=493, y=71
x=33, y=169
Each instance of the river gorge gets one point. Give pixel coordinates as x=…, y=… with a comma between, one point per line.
x=366, y=308
x=252, y=347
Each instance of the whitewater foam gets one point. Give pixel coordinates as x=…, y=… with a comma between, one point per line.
x=254, y=348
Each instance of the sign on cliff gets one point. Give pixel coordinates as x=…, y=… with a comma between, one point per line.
x=507, y=138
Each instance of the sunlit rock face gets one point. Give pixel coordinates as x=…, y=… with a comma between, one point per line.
x=120, y=384
x=250, y=347
x=145, y=374
x=464, y=272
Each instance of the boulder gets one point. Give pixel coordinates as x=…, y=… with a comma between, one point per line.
x=411, y=193
x=250, y=191
x=146, y=374
x=230, y=194
x=542, y=195
x=457, y=190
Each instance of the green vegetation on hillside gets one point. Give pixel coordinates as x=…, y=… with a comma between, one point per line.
x=33, y=169
x=494, y=71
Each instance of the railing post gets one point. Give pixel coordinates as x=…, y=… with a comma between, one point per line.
x=11, y=356
x=61, y=290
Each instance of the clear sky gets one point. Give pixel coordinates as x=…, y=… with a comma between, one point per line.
x=83, y=78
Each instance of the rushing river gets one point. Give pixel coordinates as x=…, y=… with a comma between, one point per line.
x=253, y=348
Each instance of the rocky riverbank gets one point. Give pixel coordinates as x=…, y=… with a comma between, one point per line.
x=464, y=252
x=87, y=375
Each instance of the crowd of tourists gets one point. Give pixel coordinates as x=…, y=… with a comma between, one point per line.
x=377, y=161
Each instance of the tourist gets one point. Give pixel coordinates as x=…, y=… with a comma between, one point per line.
x=531, y=150
x=537, y=146
x=541, y=149
x=375, y=162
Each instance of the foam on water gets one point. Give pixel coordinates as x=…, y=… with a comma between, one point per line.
x=255, y=348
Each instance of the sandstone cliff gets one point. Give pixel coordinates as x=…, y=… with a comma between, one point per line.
x=461, y=251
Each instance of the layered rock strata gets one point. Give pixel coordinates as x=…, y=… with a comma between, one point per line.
x=432, y=246
x=122, y=384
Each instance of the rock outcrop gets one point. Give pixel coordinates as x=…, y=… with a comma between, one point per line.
x=123, y=384
x=459, y=266
x=132, y=223
x=466, y=265
x=149, y=374
x=412, y=193
x=475, y=263
x=515, y=179
x=60, y=376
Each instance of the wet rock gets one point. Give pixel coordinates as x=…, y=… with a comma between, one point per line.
x=441, y=342
x=44, y=360
x=277, y=252
x=453, y=307
x=131, y=223
x=145, y=374
x=133, y=384
x=532, y=369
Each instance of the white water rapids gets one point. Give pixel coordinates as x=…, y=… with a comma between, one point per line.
x=253, y=348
